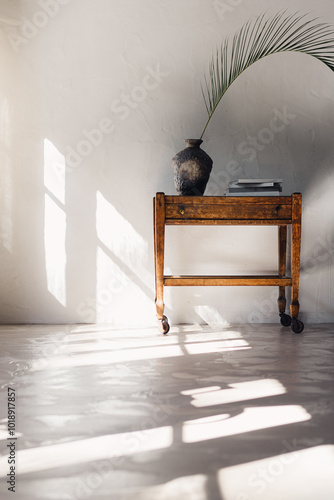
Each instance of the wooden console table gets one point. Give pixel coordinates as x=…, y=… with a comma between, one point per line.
x=278, y=211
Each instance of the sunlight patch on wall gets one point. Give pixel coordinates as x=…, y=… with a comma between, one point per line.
x=55, y=252
x=54, y=171
x=6, y=229
x=120, y=237
x=121, y=263
x=55, y=222
x=110, y=282
x=250, y=419
x=211, y=316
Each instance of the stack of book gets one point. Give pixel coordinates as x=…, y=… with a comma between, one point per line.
x=255, y=187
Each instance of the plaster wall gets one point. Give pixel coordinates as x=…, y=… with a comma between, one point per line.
x=96, y=98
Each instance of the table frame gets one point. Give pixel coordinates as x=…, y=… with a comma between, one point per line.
x=281, y=211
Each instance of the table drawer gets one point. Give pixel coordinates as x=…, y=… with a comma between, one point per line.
x=229, y=211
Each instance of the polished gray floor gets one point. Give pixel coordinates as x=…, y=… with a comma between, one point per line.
x=238, y=413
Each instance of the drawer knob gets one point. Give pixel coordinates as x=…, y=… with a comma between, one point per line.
x=181, y=210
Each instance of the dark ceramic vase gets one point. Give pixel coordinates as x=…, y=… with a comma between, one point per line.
x=192, y=168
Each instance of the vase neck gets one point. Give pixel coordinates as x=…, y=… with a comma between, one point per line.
x=193, y=143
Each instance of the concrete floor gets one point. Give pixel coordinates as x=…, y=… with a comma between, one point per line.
x=238, y=413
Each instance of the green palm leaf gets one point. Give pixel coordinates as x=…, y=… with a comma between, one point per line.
x=258, y=39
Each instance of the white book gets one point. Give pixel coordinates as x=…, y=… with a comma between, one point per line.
x=260, y=181
x=249, y=185
x=256, y=193
x=254, y=187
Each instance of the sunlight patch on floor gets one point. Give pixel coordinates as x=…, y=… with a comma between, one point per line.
x=186, y=487
x=89, y=450
x=242, y=391
x=126, y=355
x=306, y=474
x=251, y=419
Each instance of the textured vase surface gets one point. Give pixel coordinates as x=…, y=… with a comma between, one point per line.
x=192, y=167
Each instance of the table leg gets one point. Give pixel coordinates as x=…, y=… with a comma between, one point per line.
x=282, y=232
x=295, y=253
x=159, y=255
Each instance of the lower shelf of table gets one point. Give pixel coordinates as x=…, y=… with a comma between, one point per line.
x=227, y=281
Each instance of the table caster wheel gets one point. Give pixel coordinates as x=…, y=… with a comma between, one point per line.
x=164, y=325
x=297, y=326
x=285, y=319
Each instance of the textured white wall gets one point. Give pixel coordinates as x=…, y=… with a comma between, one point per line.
x=96, y=98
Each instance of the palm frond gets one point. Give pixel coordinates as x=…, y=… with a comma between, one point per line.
x=260, y=38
